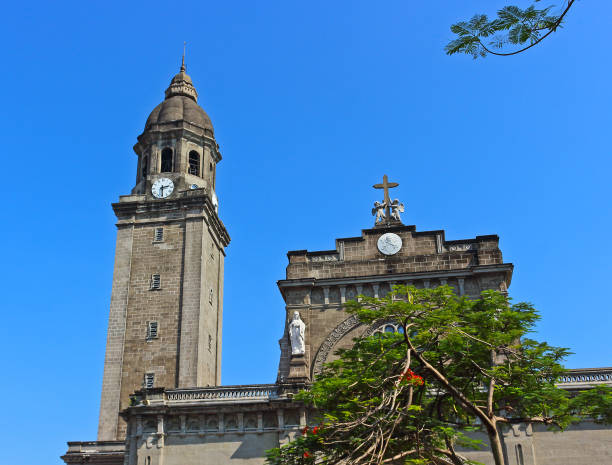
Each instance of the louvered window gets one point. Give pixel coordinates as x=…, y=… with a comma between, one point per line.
x=152, y=330
x=149, y=380
x=155, y=281
x=159, y=234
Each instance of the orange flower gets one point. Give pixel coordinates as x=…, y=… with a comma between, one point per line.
x=411, y=377
x=306, y=455
x=315, y=430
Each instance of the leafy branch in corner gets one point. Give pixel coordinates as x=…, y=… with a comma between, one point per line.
x=513, y=26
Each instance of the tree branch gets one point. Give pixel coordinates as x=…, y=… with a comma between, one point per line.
x=552, y=29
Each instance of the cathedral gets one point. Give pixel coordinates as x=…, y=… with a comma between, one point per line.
x=162, y=402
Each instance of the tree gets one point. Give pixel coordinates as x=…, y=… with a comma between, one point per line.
x=455, y=366
x=513, y=26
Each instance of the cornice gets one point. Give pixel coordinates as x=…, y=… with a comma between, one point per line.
x=365, y=279
x=131, y=212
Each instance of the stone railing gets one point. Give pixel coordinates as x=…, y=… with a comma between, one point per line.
x=225, y=393
x=584, y=377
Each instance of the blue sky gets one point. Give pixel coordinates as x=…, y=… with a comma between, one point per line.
x=312, y=103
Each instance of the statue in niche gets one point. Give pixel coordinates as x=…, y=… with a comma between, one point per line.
x=296, y=335
x=379, y=212
x=396, y=209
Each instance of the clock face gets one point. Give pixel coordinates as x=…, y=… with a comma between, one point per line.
x=389, y=243
x=162, y=188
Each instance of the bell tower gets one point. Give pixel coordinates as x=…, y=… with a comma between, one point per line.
x=166, y=307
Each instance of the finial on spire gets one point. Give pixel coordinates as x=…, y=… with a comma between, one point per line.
x=181, y=83
x=183, y=61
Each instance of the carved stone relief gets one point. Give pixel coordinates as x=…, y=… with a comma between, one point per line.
x=461, y=247
x=324, y=258
x=338, y=333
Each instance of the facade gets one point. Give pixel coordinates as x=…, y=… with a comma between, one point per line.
x=161, y=399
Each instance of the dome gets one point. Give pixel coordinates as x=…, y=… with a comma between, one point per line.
x=180, y=104
x=179, y=108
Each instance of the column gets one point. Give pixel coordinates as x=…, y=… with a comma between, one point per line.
x=359, y=291
x=280, y=415
x=221, y=423
x=326, y=294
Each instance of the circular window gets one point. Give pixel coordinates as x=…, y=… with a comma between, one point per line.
x=388, y=327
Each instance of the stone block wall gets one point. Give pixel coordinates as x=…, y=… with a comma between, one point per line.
x=187, y=307
x=319, y=283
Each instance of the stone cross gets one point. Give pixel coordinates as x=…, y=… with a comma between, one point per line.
x=386, y=185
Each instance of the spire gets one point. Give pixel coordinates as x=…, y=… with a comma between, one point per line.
x=181, y=83
x=183, y=61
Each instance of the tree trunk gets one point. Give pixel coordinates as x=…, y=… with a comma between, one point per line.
x=496, y=446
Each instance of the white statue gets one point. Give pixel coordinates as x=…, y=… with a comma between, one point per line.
x=396, y=208
x=379, y=211
x=296, y=334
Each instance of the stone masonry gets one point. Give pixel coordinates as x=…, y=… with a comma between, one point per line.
x=168, y=263
x=319, y=283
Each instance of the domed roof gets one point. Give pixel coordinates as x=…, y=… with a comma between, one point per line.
x=179, y=108
x=180, y=104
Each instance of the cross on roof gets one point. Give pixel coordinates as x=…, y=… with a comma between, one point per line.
x=386, y=185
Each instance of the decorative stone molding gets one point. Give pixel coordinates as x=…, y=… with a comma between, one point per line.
x=583, y=378
x=324, y=258
x=461, y=247
x=230, y=393
x=338, y=333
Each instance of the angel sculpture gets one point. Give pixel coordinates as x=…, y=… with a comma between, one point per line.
x=379, y=212
x=396, y=209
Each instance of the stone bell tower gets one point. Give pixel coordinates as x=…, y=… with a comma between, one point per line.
x=166, y=308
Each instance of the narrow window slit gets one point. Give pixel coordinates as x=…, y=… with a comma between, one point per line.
x=166, y=160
